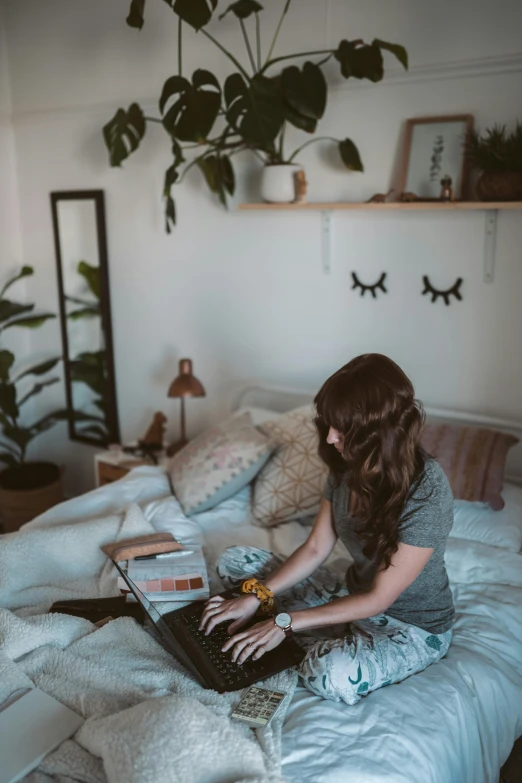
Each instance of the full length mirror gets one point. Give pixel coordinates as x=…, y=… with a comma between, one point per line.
x=83, y=286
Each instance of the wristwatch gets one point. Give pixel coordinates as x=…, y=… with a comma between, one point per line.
x=284, y=621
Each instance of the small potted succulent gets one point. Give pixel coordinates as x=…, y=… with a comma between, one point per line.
x=498, y=156
x=26, y=488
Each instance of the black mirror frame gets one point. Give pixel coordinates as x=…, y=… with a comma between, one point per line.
x=112, y=409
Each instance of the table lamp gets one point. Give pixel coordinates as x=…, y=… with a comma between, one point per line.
x=185, y=385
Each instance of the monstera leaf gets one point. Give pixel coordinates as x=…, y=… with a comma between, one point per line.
x=255, y=109
x=196, y=13
x=304, y=94
x=350, y=155
x=243, y=9
x=365, y=61
x=219, y=175
x=123, y=133
x=195, y=108
x=136, y=11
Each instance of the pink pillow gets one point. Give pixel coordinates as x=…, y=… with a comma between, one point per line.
x=473, y=459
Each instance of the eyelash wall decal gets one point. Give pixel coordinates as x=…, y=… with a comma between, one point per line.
x=435, y=293
x=373, y=288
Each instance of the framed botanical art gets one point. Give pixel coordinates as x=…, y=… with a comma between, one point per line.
x=434, y=147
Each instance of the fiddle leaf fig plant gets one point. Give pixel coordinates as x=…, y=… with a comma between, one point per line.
x=251, y=110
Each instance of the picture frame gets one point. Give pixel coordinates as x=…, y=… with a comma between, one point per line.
x=434, y=147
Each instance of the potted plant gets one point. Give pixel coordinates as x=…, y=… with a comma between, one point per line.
x=250, y=111
x=26, y=488
x=498, y=156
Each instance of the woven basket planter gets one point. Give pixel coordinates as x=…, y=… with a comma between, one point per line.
x=28, y=491
x=500, y=187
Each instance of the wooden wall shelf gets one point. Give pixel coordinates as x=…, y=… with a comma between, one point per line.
x=330, y=206
x=489, y=208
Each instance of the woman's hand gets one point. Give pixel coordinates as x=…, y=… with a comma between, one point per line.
x=218, y=610
x=255, y=642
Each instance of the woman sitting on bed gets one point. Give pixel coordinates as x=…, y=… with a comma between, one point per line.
x=392, y=507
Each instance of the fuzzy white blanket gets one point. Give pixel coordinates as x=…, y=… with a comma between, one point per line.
x=147, y=719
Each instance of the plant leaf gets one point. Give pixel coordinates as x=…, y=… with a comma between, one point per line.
x=84, y=312
x=362, y=61
x=399, y=51
x=25, y=271
x=197, y=13
x=136, y=11
x=243, y=8
x=10, y=309
x=33, y=322
x=305, y=91
x=123, y=133
x=19, y=435
x=219, y=175
x=40, y=369
x=194, y=111
x=91, y=275
x=37, y=388
x=89, y=368
x=350, y=155
x=255, y=110
x=93, y=429
x=8, y=400
x=6, y=362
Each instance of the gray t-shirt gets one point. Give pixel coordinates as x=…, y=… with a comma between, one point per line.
x=427, y=602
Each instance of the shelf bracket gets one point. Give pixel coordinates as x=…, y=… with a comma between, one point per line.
x=326, y=241
x=490, y=241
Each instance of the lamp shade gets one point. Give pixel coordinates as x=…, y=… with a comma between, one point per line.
x=186, y=384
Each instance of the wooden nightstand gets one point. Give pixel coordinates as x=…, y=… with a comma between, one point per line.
x=110, y=466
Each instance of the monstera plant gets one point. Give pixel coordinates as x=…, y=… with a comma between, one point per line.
x=214, y=122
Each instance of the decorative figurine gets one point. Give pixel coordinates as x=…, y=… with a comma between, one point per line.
x=379, y=198
x=153, y=438
x=301, y=186
x=446, y=194
x=407, y=197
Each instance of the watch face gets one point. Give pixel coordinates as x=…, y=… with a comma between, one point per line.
x=283, y=620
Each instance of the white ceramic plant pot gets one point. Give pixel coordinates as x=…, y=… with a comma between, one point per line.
x=277, y=183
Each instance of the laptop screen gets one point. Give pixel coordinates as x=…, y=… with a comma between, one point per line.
x=159, y=623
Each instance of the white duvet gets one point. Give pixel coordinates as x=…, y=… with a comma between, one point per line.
x=453, y=723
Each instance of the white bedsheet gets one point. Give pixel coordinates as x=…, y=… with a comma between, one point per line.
x=453, y=723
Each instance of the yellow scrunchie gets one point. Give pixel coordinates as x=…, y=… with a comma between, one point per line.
x=262, y=593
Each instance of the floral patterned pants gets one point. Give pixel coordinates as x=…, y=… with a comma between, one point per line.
x=366, y=655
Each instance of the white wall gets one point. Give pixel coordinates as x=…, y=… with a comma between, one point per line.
x=243, y=294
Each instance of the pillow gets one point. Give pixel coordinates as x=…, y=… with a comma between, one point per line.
x=291, y=484
x=473, y=459
x=218, y=463
x=477, y=522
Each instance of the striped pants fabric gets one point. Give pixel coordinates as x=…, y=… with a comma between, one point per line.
x=353, y=659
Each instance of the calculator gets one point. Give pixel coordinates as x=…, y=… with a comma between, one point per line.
x=258, y=706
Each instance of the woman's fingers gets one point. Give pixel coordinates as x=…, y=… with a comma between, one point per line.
x=233, y=640
x=233, y=627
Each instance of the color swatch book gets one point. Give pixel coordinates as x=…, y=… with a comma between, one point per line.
x=181, y=576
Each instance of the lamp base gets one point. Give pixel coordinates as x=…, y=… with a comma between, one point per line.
x=175, y=447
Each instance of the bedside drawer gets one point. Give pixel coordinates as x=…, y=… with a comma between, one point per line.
x=108, y=472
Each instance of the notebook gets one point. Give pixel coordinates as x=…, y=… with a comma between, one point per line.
x=32, y=724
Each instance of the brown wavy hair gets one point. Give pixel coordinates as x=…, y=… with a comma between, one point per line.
x=371, y=403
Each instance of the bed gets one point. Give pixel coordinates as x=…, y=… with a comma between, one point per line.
x=456, y=722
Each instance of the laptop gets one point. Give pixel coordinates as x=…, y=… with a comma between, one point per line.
x=201, y=655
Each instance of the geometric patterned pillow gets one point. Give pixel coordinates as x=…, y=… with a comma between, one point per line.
x=218, y=464
x=472, y=458
x=291, y=484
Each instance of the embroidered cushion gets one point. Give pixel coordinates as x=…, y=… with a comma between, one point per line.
x=290, y=485
x=218, y=463
x=472, y=458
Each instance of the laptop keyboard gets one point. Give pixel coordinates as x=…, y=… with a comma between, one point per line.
x=222, y=661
